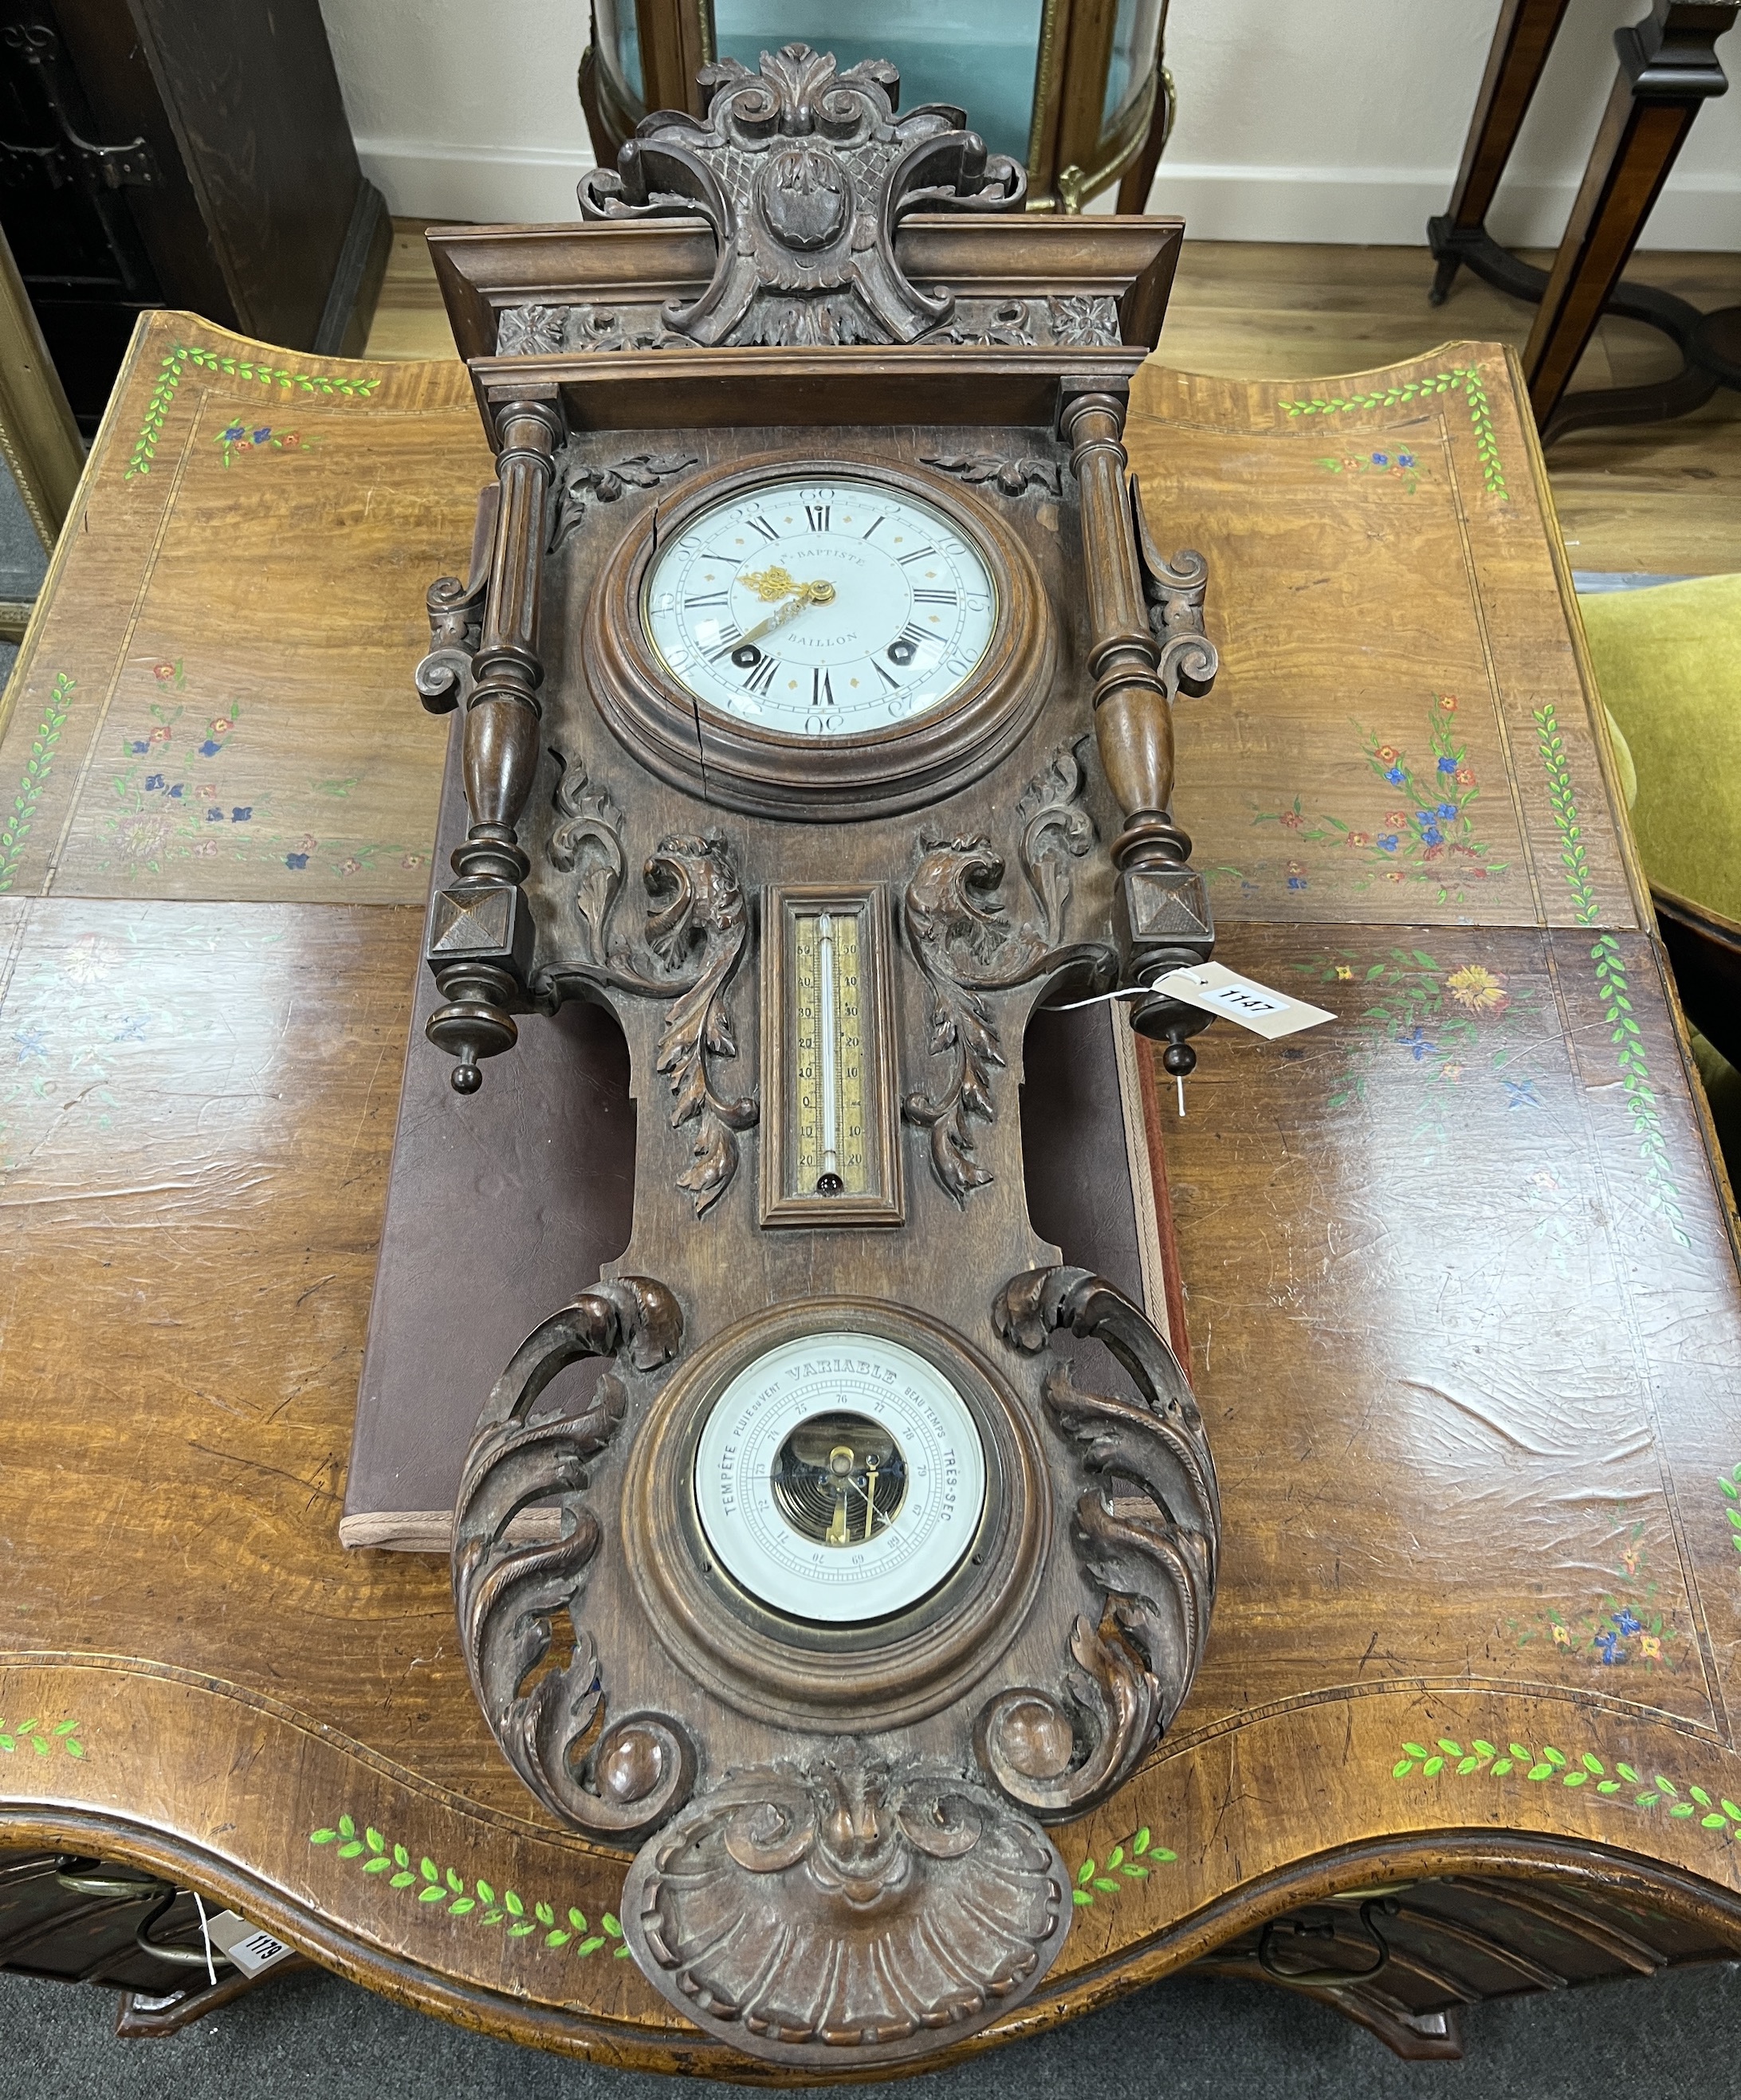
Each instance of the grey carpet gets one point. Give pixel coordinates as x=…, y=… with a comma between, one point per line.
x=312, y=2037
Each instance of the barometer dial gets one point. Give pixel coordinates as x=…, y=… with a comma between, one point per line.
x=840, y=1478
x=820, y=609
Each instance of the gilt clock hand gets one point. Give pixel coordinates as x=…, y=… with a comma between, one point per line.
x=819, y=593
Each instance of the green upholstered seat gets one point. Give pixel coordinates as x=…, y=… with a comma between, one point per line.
x=1667, y=663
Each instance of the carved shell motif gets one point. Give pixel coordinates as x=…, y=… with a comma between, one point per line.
x=846, y=1913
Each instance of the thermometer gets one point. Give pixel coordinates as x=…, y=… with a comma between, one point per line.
x=829, y=1075
x=831, y=1046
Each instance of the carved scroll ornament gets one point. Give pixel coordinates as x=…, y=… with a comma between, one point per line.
x=846, y=1913
x=958, y=931
x=581, y=481
x=1173, y=592
x=1008, y=477
x=697, y=928
x=642, y=1766
x=1147, y=1536
x=804, y=173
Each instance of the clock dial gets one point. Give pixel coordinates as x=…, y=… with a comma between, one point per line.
x=840, y=1477
x=821, y=609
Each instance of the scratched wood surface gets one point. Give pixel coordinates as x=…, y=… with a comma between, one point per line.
x=1463, y=1303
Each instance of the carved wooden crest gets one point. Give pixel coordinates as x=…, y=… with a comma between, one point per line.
x=803, y=174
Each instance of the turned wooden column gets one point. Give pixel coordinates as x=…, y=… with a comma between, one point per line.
x=1668, y=69
x=481, y=933
x=1165, y=907
x=502, y=720
x=1132, y=715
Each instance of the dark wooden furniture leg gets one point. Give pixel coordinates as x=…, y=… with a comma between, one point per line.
x=139, y=2016
x=1668, y=67
x=1521, y=44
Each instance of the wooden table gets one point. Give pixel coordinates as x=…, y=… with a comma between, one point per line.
x=1460, y=1286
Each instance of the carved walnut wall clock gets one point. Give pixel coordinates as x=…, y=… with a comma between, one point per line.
x=817, y=668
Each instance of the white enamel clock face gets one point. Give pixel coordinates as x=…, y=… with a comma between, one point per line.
x=820, y=608
x=840, y=1478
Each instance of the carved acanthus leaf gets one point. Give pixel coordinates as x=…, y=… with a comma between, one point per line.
x=846, y=1913
x=588, y=844
x=579, y=481
x=1056, y=829
x=640, y=1768
x=1147, y=1535
x=695, y=936
x=1008, y=477
x=803, y=172
x=958, y=932
x=698, y=923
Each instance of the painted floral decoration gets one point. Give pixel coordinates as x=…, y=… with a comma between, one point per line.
x=1450, y=1020
x=1394, y=466
x=240, y=440
x=1427, y=836
x=1626, y=1626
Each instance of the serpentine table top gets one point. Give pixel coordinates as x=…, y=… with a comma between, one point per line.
x=1460, y=1282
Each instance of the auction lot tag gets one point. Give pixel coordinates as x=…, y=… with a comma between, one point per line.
x=1218, y=989
x=250, y=1947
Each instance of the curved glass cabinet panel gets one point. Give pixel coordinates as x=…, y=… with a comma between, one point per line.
x=1072, y=89
x=984, y=51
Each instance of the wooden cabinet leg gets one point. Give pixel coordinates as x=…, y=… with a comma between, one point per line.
x=141, y=2017
x=1668, y=69
x=1521, y=44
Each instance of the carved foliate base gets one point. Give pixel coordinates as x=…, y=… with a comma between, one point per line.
x=641, y=1767
x=845, y=1914
x=1147, y=1536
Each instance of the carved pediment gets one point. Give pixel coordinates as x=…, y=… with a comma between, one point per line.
x=804, y=172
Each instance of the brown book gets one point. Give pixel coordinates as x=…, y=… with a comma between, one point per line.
x=545, y=1153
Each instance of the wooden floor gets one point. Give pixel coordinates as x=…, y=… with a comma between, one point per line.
x=1664, y=498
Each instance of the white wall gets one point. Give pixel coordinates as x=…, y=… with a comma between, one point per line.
x=463, y=110
x=1344, y=120
x=1300, y=120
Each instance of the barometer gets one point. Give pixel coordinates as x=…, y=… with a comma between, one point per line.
x=840, y=1478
